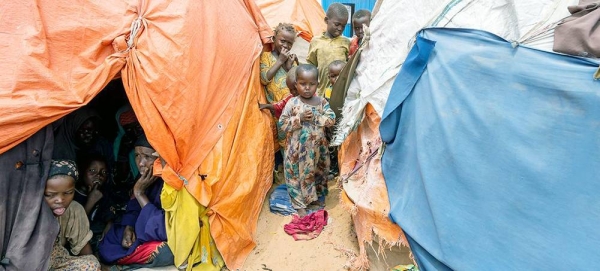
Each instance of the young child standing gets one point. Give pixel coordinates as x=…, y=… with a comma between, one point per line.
x=331, y=45
x=306, y=162
x=360, y=18
x=274, y=66
x=334, y=70
x=75, y=234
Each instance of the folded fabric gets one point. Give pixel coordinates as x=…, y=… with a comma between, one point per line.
x=307, y=227
x=280, y=202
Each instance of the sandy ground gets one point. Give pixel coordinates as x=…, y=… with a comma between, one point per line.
x=275, y=250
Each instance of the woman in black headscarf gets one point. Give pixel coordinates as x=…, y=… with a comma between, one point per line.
x=78, y=135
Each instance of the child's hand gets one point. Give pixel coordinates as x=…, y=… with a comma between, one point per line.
x=128, y=237
x=265, y=106
x=307, y=115
x=95, y=195
x=293, y=58
x=284, y=55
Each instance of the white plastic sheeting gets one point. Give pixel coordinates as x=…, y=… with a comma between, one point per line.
x=397, y=21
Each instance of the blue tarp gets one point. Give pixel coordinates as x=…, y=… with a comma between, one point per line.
x=493, y=155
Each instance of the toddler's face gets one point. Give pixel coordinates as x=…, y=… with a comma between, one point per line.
x=59, y=193
x=96, y=173
x=357, y=25
x=306, y=83
x=335, y=25
x=334, y=73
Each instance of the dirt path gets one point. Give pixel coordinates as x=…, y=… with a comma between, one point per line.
x=277, y=251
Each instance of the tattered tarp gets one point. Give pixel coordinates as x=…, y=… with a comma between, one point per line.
x=176, y=60
x=492, y=155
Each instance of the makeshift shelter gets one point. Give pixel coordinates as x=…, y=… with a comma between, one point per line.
x=176, y=60
x=393, y=30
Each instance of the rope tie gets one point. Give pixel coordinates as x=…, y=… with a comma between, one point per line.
x=136, y=26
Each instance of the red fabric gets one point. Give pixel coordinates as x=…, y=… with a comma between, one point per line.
x=353, y=46
x=142, y=254
x=307, y=227
x=127, y=117
x=279, y=106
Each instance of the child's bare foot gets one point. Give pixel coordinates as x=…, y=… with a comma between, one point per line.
x=302, y=212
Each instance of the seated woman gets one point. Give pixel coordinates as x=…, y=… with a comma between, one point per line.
x=71, y=250
x=140, y=238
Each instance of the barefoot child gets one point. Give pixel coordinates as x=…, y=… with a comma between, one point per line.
x=360, y=18
x=74, y=233
x=331, y=45
x=334, y=70
x=306, y=162
x=278, y=107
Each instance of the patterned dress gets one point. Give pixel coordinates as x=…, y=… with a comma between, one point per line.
x=306, y=161
x=74, y=233
x=61, y=260
x=275, y=89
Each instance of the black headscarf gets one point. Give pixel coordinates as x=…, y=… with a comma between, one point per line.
x=65, y=146
x=142, y=141
x=63, y=167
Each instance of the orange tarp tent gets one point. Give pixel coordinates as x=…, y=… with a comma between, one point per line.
x=307, y=16
x=190, y=72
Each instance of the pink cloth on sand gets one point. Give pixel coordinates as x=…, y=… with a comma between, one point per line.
x=307, y=227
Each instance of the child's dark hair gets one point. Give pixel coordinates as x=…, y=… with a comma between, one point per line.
x=284, y=27
x=337, y=10
x=361, y=13
x=307, y=68
x=337, y=63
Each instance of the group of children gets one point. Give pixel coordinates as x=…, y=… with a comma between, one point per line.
x=105, y=199
x=298, y=96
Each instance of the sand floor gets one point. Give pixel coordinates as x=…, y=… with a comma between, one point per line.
x=275, y=250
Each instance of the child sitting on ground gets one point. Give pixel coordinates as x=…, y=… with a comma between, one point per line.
x=330, y=46
x=277, y=107
x=74, y=235
x=306, y=162
x=360, y=19
x=334, y=70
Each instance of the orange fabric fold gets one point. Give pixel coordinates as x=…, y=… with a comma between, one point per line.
x=196, y=94
x=55, y=57
x=307, y=16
